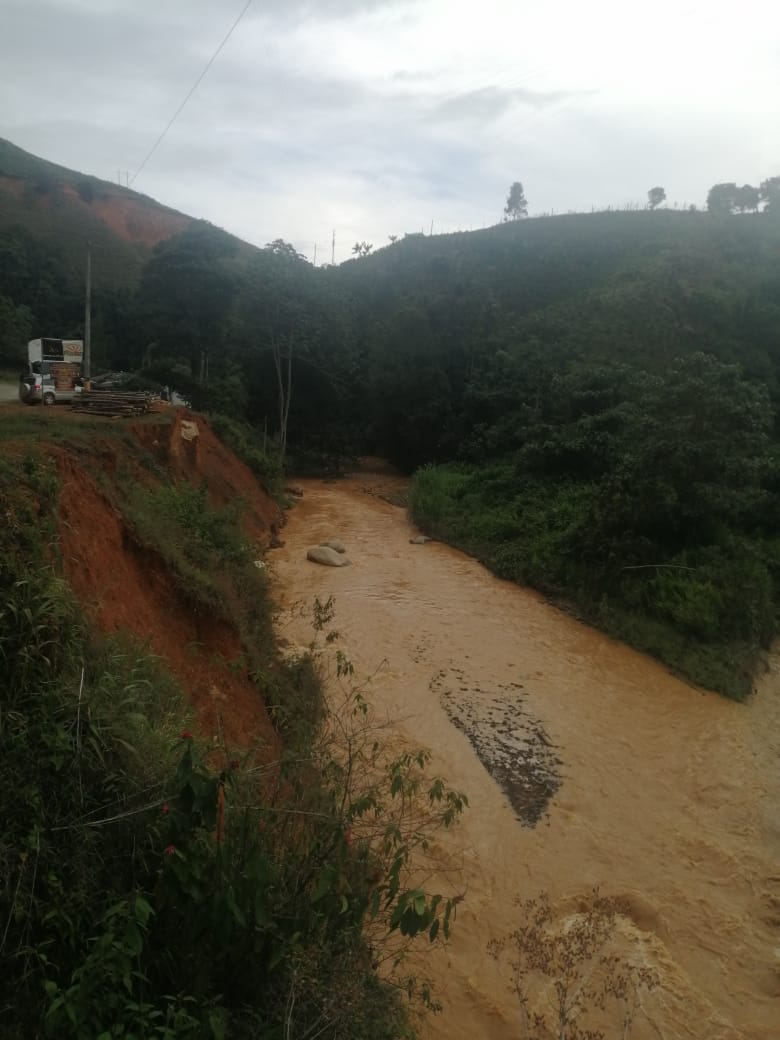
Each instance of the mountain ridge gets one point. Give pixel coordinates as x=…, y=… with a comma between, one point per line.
x=19, y=167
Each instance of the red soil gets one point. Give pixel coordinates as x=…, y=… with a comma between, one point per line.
x=127, y=587
x=137, y=220
x=134, y=219
x=13, y=185
x=205, y=457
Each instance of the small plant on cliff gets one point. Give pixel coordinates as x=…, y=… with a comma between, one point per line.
x=281, y=888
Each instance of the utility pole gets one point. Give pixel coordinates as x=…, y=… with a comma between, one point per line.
x=333, y=249
x=87, y=373
x=315, y=254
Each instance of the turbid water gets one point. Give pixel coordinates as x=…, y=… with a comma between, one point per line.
x=585, y=763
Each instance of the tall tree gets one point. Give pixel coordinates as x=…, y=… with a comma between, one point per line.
x=281, y=248
x=16, y=327
x=655, y=197
x=722, y=198
x=747, y=198
x=185, y=296
x=770, y=195
x=516, y=203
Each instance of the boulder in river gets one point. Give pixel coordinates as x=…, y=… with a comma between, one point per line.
x=335, y=543
x=420, y=539
x=326, y=556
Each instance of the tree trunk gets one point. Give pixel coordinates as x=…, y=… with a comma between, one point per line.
x=285, y=392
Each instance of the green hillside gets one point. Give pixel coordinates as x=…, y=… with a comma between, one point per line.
x=641, y=288
x=48, y=214
x=595, y=396
x=600, y=393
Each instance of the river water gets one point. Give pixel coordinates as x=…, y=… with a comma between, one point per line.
x=585, y=763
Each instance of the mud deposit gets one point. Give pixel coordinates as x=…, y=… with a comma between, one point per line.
x=512, y=746
x=586, y=764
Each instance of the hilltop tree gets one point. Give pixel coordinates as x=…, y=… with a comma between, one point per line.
x=516, y=203
x=655, y=197
x=362, y=248
x=747, y=198
x=722, y=198
x=769, y=193
x=281, y=248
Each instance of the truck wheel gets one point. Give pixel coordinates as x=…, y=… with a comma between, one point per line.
x=48, y=398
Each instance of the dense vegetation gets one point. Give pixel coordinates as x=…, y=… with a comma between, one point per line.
x=600, y=391
x=153, y=888
x=599, y=394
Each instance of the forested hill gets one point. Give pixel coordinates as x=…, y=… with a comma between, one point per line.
x=48, y=213
x=464, y=325
x=601, y=395
x=599, y=392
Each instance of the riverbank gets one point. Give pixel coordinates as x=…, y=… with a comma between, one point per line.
x=706, y=612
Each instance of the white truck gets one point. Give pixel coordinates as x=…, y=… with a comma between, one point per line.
x=54, y=372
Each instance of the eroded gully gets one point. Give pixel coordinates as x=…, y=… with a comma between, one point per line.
x=605, y=771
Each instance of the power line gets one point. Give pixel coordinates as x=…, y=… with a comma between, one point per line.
x=191, y=91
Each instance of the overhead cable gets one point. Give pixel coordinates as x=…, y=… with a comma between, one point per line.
x=191, y=91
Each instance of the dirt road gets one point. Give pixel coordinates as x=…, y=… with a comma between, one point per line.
x=585, y=764
x=8, y=392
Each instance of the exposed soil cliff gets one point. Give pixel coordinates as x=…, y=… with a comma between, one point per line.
x=126, y=586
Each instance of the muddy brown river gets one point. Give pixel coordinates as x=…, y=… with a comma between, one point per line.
x=585, y=763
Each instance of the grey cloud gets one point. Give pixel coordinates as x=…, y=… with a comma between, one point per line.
x=410, y=76
x=492, y=102
x=270, y=143
x=92, y=53
x=319, y=9
x=254, y=124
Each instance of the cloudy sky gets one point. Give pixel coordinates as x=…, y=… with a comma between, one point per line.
x=379, y=117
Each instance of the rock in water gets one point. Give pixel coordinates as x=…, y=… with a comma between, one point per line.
x=335, y=543
x=419, y=539
x=326, y=556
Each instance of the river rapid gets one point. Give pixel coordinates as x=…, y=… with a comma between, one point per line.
x=585, y=764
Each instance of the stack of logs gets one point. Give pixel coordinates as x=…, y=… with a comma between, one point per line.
x=113, y=403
